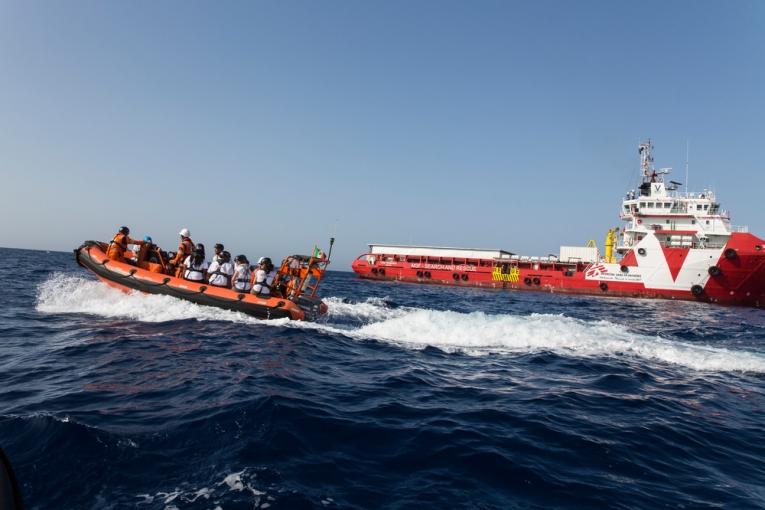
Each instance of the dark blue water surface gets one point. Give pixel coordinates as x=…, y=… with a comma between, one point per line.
x=404, y=397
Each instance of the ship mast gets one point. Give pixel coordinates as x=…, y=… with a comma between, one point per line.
x=646, y=161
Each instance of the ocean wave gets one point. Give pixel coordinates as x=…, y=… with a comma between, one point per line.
x=479, y=333
x=475, y=333
x=63, y=293
x=373, y=308
x=237, y=482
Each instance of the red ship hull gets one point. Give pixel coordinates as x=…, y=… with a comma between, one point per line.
x=738, y=280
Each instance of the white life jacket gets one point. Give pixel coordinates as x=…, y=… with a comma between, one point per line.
x=263, y=282
x=241, y=278
x=219, y=275
x=194, y=273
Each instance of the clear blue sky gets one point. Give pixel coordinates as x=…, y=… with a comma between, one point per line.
x=270, y=126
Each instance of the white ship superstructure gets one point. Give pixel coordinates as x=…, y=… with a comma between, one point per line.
x=677, y=219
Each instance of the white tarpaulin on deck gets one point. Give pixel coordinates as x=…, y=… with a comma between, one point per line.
x=437, y=251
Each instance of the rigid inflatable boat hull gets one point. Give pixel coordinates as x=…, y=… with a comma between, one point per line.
x=92, y=256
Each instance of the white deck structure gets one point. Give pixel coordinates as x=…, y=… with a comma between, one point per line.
x=437, y=251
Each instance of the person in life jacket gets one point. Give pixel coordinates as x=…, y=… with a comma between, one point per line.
x=241, y=279
x=264, y=277
x=195, y=267
x=119, y=244
x=151, y=258
x=218, y=251
x=185, y=248
x=153, y=253
x=220, y=271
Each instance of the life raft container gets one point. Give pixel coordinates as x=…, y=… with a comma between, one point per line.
x=92, y=256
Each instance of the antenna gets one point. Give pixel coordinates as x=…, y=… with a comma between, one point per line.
x=332, y=241
x=331, y=244
x=687, y=150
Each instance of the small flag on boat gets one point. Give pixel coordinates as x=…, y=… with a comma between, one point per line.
x=317, y=253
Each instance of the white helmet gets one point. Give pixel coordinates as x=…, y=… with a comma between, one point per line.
x=184, y=232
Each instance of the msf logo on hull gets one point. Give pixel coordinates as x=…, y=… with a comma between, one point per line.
x=659, y=267
x=596, y=271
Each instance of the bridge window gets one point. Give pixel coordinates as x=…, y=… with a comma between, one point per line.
x=642, y=204
x=698, y=207
x=706, y=206
x=667, y=205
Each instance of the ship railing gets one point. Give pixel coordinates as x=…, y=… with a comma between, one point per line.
x=692, y=194
x=744, y=229
x=693, y=244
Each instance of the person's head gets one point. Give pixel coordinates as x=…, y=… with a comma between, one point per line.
x=147, y=239
x=184, y=232
x=241, y=259
x=124, y=230
x=200, y=247
x=218, y=248
x=225, y=256
x=198, y=257
x=265, y=264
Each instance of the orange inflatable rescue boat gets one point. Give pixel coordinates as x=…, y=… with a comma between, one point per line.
x=294, y=287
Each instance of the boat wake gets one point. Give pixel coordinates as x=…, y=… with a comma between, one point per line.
x=63, y=293
x=475, y=333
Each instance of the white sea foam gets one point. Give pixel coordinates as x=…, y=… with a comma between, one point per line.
x=474, y=333
x=70, y=294
x=479, y=333
x=371, y=309
x=233, y=482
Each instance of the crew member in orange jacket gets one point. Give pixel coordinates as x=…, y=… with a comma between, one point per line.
x=185, y=248
x=119, y=244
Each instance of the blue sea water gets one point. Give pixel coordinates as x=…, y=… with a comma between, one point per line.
x=404, y=397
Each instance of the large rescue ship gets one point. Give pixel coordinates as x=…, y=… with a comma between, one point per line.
x=675, y=245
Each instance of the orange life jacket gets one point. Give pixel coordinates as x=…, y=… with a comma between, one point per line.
x=117, y=247
x=150, y=258
x=185, y=248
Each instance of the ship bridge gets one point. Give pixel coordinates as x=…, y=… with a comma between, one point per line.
x=678, y=219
